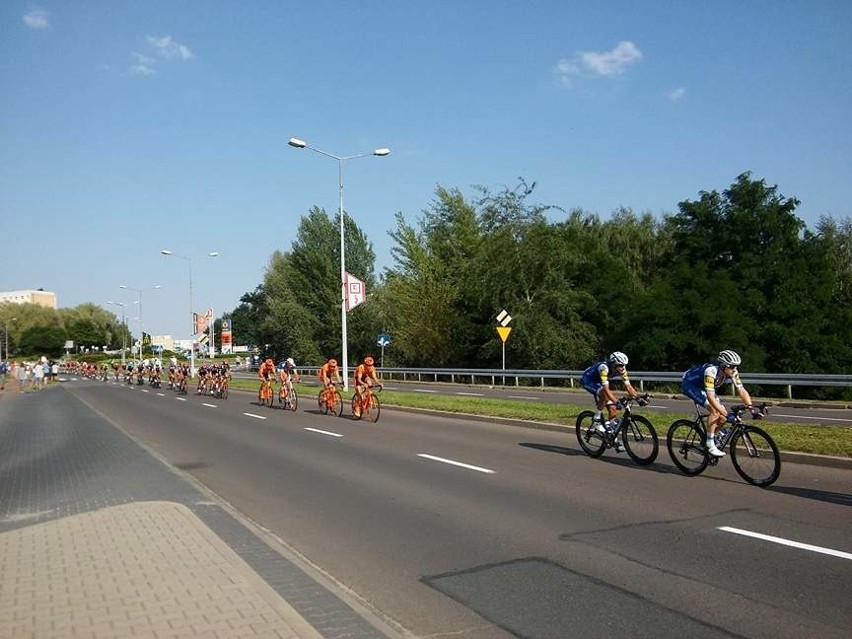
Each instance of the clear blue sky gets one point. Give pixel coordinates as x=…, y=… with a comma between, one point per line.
x=128, y=127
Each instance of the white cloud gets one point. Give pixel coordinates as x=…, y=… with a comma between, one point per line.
x=160, y=48
x=599, y=63
x=143, y=65
x=37, y=18
x=166, y=47
x=676, y=94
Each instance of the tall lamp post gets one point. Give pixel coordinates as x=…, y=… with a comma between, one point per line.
x=188, y=258
x=123, y=329
x=141, y=331
x=340, y=159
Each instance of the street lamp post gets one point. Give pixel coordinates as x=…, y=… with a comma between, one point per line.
x=123, y=329
x=141, y=331
x=188, y=259
x=301, y=144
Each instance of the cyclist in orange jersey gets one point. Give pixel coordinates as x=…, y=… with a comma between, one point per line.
x=364, y=377
x=329, y=374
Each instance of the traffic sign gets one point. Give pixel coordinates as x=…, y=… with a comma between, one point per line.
x=504, y=318
x=383, y=339
x=504, y=331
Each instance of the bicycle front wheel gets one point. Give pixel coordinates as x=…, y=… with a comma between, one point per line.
x=337, y=406
x=590, y=441
x=372, y=410
x=755, y=456
x=640, y=440
x=323, y=404
x=685, y=441
x=294, y=400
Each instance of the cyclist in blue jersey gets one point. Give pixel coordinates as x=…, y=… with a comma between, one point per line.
x=700, y=384
x=595, y=379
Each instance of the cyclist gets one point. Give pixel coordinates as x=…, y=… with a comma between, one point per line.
x=329, y=374
x=266, y=373
x=700, y=384
x=595, y=379
x=286, y=374
x=365, y=375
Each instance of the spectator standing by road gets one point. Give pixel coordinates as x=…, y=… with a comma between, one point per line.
x=21, y=374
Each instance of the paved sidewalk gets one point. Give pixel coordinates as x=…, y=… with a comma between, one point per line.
x=99, y=538
x=151, y=569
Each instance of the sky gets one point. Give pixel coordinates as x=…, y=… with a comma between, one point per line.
x=131, y=127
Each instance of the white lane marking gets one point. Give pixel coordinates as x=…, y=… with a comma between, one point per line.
x=826, y=419
x=423, y=390
x=144, y=390
x=324, y=432
x=181, y=399
x=470, y=394
x=478, y=469
x=161, y=395
x=534, y=399
x=253, y=415
x=787, y=542
x=209, y=405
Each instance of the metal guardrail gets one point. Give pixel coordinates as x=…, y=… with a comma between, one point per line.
x=572, y=377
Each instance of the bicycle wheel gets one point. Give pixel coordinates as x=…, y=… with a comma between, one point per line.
x=685, y=441
x=755, y=456
x=337, y=405
x=590, y=441
x=640, y=440
x=224, y=393
x=355, y=403
x=372, y=410
x=294, y=400
x=323, y=405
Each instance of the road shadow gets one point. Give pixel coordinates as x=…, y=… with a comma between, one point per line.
x=841, y=499
x=616, y=459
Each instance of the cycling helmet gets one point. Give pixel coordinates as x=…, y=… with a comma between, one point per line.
x=290, y=362
x=729, y=358
x=617, y=358
x=332, y=363
x=369, y=361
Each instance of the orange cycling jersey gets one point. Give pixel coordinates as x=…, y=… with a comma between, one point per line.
x=326, y=372
x=266, y=370
x=363, y=372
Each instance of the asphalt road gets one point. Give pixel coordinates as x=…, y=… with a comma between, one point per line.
x=473, y=529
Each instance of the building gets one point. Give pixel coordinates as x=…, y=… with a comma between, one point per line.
x=38, y=296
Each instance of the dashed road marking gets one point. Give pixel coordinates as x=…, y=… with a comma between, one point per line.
x=324, y=432
x=787, y=542
x=478, y=469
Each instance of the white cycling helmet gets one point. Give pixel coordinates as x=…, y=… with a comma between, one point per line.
x=729, y=358
x=617, y=358
x=290, y=361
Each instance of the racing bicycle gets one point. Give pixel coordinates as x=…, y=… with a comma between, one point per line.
x=264, y=393
x=287, y=397
x=754, y=453
x=330, y=401
x=368, y=406
x=635, y=432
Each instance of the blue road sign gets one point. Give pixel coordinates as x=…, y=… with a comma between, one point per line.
x=383, y=339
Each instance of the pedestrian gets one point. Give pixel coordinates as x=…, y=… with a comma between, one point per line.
x=21, y=371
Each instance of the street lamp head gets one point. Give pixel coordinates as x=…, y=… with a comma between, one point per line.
x=157, y=286
x=296, y=142
x=213, y=254
x=381, y=152
x=121, y=286
x=166, y=252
